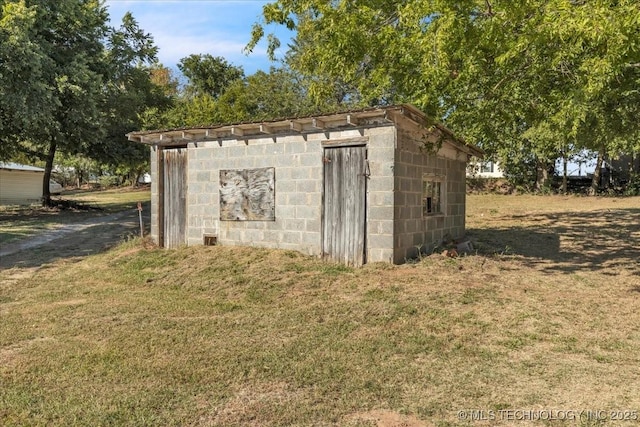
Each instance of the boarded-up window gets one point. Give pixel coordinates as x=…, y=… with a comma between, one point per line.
x=247, y=195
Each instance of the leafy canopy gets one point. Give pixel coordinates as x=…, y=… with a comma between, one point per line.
x=532, y=77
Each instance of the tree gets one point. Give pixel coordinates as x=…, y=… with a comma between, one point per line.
x=510, y=76
x=260, y=96
x=264, y=96
x=63, y=89
x=130, y=91
x=208, y=75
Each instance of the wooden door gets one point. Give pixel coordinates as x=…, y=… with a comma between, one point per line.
x=345, y=188
x=174, y=163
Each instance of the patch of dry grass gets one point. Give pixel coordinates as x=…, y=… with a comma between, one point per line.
x=19, y=222
x=230, y=336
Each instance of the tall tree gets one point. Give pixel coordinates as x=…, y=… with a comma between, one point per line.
x=208, y=75
x=511, y=76
x=130, y=91
x=63, y=88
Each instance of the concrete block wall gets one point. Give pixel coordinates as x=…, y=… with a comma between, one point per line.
x=413, y=230
x=298, y=165
x=380, y=199
x=395, y=225
x=155, y=199
x=298, y=192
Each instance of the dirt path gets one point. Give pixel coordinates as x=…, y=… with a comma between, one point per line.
x=70, y=241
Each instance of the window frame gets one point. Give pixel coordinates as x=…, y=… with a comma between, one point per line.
x=438, y=184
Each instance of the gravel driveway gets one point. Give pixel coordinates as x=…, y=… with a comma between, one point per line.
x=72, y=240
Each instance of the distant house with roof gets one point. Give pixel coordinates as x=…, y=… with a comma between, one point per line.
x=20, y=184
x=478, y=168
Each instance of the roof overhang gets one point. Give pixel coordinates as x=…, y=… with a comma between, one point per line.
x=18, y=167
x=369, y=117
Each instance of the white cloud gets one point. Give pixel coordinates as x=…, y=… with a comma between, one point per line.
x=182, y=28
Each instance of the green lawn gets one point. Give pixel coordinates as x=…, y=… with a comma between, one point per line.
x=226, y=336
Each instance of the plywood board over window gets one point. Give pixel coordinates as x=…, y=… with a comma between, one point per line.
x=247, y=195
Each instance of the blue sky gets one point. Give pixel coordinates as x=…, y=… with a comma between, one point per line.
x=183, y=27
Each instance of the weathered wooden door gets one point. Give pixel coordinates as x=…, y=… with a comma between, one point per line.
x=345, y=189
x=174, y=163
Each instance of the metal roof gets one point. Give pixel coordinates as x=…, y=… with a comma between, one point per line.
x=19, y=167
x=375, y=116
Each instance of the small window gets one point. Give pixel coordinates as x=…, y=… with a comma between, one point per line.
x=432, y=196
x=486, y=167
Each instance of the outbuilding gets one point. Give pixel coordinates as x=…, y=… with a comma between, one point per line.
x=377, y=184
x=20, y=184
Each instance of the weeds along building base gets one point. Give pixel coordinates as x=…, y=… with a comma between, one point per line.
x=362, y=186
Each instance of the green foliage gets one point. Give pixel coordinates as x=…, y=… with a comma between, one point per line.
x=208, y=75
x=261, y=96
x=542, y=78
x=633, y=186
x=69, y=83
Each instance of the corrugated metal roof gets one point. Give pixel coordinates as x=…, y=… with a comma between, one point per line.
x=19, y=167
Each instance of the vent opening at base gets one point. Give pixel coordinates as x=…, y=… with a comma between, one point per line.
x=210, y=240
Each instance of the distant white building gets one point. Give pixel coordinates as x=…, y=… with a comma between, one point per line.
x=20, y=184
x=484, y=169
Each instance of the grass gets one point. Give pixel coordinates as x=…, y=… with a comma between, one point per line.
x=18, y=222
x=226, y=336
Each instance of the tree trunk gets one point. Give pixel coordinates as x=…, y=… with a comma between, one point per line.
x=635, y=162
x=565, y=163
x=542, y=174
x=136, y=178
x=595, y=182
x=46, y=194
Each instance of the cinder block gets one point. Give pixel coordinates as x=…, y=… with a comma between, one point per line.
x=380, y=241
x=283, y=174
x=316, y=173
x=308, y=212
x=271, y=236
x=310, y=159
x=380, y=227
x=380, y=255
x=381, y=212
x=311, y=240
x=282, y=199
x=286, y=186
x=283, y=211
x=204, y=199
x=291, y=236
x=297, y=199
x=294, y=224
x=382, y=154
x=251, y=236
x=298, y=146
x=314, y=199
x=300, y=173
x=381, y=198
x=203, y=176
x=263, y=161
x=381, y=183
x=313, y=225
x=307, y=186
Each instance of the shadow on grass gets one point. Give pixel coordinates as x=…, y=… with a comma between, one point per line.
x=605, y=241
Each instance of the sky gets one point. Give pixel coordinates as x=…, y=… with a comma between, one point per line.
x=184, y=27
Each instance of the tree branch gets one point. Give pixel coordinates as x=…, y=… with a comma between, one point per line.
x=489, y=8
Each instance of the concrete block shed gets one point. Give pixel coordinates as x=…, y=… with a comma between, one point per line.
x=360, y=186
